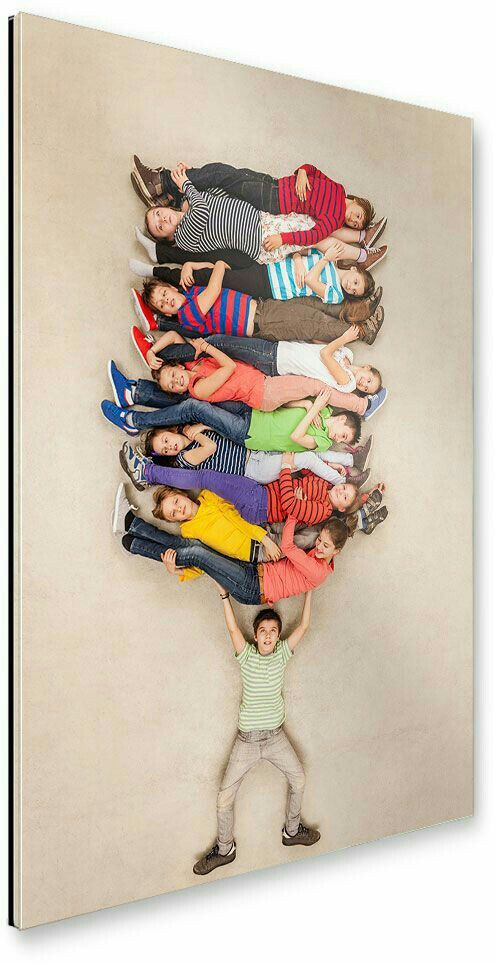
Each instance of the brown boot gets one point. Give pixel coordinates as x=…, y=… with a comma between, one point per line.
x=375, y=255
x=149, y=181
x=372, y=326
x=374, y=232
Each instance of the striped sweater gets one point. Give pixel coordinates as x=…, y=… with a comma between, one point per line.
x=216, y=220
x=325, y=203
x=282, y=502
x=228, y=456
x=228, y=315
x=262, y=704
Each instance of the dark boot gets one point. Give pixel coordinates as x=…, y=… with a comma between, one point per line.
x=212, y=860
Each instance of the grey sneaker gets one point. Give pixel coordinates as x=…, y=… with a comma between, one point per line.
x=134, y=463
x=358, y=478
x=213, y=859
x=304, y=836
x=121, y=507
x=362, y=455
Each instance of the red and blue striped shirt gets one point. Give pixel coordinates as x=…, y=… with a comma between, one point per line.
x=228, y=316
x=325, y=203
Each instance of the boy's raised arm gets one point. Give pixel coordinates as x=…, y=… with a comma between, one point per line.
x=296, y=636
x=212, y=291
x=235, y=634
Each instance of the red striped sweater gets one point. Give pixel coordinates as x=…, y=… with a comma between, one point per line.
x=283, y=503
x=325, y=203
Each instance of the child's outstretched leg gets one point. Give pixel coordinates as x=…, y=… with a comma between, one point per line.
x=249, y=498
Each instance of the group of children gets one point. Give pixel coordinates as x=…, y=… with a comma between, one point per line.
x=256, y=403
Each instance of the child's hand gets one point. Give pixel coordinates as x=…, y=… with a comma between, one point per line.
x=182, y=168
x=273, y=551
x=322, y=399
x=288, y=459
x=187, y=274
x=178, y=176
x=199, y=345
x=168, y=558
x=381, y=487
x=302, y=184
x=272, y=242
x=334, y=251
x=192, y=431
x=352, y=334
x=299, y=494
x=224, y=264
x=317, y=421
x=299, y=272
x=152, y=360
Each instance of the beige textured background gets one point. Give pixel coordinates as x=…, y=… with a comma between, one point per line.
x=129, y=690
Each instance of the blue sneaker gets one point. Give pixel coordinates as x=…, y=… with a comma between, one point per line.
x=375, y=402
x=117, y=416
x=133, y=463
x=122, y=386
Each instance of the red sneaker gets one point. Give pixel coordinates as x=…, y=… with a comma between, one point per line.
x=143, y=313
x=142, y=343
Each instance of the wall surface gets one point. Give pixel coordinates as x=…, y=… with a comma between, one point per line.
x=129, y=689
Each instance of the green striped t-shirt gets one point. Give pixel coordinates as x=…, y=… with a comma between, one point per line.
x=262, y=704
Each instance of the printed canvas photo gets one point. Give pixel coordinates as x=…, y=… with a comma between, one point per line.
x=242, y=469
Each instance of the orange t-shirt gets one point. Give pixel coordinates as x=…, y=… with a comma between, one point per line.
x=246, y=384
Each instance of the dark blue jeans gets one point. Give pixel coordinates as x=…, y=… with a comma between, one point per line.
x=258, y=352
x=260, y=190
x=232, y=426
x=150, y=394
x=238, y=578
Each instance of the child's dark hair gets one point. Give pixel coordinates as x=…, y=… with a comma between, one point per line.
x=148, y=288
x=267, y=614
x=353, y=421
x=146, y=442
x=368, y=280
x=368, y=209
x=156, y=372
x=337, y=530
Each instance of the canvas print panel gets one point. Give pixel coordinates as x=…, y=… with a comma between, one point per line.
x=254, y=347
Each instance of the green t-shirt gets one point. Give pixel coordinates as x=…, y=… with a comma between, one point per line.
x=262, y=704
x=271, y=431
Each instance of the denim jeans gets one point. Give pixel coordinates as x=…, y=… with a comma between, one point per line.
x=191, y=410
x=238, y=578
x=248, y=750
x=150, y=394
x=249, y=498
x=258, y=352
x=260, y=190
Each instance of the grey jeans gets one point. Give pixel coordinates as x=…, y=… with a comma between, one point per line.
x=247, y=751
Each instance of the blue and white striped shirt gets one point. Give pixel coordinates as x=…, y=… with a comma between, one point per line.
x=229, y=456
x=283, y=285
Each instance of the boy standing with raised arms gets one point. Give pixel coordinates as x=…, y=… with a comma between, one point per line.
x=261, y=735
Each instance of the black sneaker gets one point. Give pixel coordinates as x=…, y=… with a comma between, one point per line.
x=373, y=520
x=304, y=837
x=213, y=859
